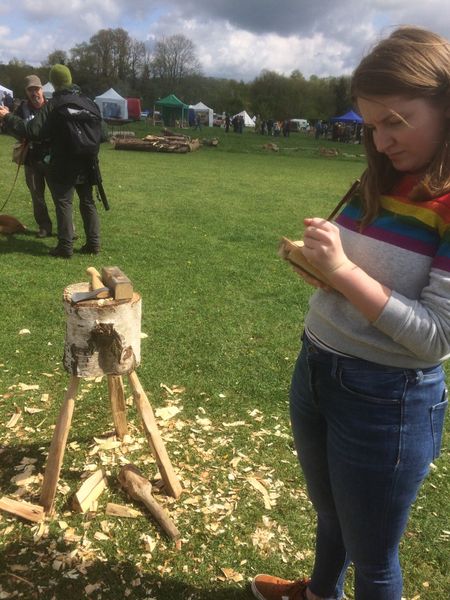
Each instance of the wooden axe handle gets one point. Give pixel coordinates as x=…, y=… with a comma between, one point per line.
x=96, y=281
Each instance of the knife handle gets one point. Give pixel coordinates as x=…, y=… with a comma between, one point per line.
x=96, y=282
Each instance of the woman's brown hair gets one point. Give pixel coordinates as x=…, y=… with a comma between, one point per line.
x=415, y=63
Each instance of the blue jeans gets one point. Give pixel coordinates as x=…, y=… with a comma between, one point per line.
x=365, y=435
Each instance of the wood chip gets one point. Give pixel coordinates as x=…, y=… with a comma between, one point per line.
x=120, y=510
x=260, y=488
x=89, y=491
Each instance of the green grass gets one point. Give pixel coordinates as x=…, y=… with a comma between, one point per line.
x=197, y=234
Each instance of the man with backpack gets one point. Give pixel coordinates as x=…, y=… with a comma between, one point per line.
x=72, y=125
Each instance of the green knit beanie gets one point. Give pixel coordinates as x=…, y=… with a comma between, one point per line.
x=60, y=77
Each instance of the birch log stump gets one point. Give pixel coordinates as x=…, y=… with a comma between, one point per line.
x=103, y=337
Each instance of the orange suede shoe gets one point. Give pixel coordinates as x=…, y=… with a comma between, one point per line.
x=266, y=587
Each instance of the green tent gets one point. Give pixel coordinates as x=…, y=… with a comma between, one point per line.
x=173, y=109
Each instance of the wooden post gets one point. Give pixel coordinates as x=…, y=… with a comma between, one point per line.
x=118, y=406
x=58, y=446
x=159, y=451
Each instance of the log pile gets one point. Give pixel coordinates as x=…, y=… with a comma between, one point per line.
x=121, y=134
x=179, y=144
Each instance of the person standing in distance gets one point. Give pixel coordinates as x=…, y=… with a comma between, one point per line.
x=67, y=171
x=368, y=394
x=37, y=151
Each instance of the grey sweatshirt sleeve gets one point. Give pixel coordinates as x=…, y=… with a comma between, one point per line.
x=422, y=326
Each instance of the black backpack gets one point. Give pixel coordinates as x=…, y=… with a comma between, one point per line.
x=77, y=125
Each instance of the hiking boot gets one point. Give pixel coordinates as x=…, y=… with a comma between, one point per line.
x=88, y=249
x=60, y=253
x=266, y=587
x=43, y=233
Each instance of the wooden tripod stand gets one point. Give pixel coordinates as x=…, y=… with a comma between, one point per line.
x=117, y=398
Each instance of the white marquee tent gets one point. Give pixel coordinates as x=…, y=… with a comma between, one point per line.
x=202, y=108
x=248, y=121
x=112, y=105
x=48, y=90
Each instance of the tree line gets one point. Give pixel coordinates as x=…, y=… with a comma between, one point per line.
x=112, y=58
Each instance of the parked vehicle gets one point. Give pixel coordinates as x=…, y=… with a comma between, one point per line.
x=299, y=125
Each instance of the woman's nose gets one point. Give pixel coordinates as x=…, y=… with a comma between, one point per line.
x=383, y=140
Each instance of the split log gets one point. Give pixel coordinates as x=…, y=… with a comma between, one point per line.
x=157, y=447
x=118, y=405
x=58, y=447
x=140, y=489
x=25, y=510
x=89, y=491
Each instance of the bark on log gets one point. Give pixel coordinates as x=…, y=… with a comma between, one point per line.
x=140, y=489
x=103, y=337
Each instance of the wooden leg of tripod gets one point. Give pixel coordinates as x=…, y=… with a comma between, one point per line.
x=58, y=446
x=118, y=406
x=145, y=410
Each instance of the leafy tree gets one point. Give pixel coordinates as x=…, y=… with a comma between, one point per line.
x=56, y=57
x=173, y=59
x=275, y=96
x=341, y=90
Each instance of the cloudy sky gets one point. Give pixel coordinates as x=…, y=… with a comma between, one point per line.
x=234, y=38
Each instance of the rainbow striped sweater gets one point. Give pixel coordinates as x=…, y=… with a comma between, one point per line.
x=406, y=248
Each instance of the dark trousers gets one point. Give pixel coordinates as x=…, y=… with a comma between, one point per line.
x=35, y=180
x=62, y=194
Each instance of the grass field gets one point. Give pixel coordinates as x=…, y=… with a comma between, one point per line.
x=197, y=234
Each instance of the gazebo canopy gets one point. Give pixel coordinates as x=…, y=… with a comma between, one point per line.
x=349, y=117
x=172, y=108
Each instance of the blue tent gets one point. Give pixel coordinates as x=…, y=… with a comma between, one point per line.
x=349, y=117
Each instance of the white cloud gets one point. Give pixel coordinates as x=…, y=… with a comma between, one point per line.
x=234, y=38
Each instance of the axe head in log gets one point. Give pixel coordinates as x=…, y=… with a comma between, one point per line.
x=80, y=296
